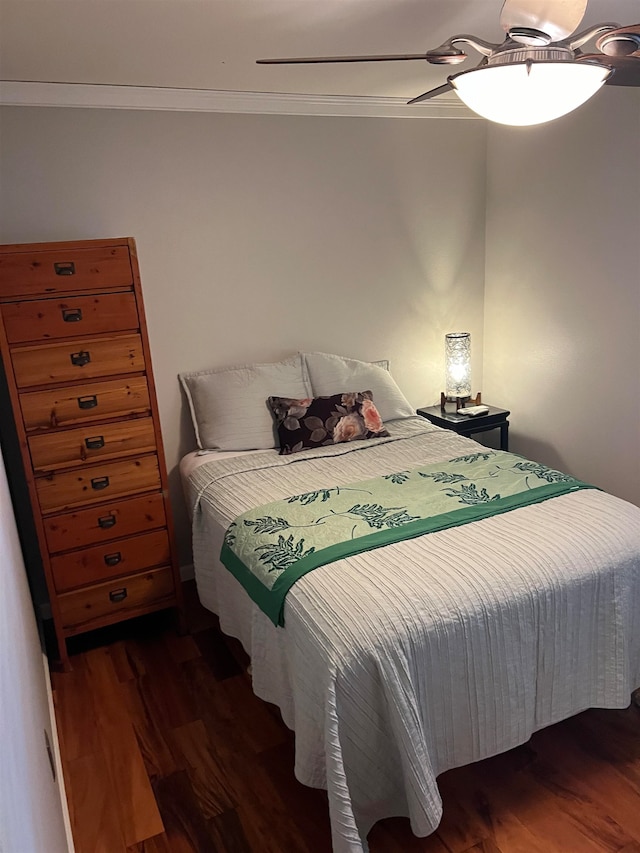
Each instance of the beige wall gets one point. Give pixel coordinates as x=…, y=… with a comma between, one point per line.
x=261, y=235
x=562, y=291
x=31, y=811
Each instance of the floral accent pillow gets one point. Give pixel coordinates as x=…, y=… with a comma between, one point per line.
x=320, y=421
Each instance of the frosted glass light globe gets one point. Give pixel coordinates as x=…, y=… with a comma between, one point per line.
x=529, y=92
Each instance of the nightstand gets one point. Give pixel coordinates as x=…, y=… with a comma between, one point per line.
x=465, y=425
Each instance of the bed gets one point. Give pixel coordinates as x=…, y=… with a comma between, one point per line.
x=398, y=663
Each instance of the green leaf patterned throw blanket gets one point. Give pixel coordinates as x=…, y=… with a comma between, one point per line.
x=269, y=548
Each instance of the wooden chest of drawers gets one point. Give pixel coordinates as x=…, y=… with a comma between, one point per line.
x=80, y=411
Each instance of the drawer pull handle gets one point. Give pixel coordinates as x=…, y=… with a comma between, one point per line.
x=71, y=315
x=94, y=443
x=99, y=483
x=88, y=402
x=65, y=268
x=112, y=559
x=80, y=358
x=118, y=594
x=107, y=521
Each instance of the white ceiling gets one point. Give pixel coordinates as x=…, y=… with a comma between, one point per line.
x=213, y=44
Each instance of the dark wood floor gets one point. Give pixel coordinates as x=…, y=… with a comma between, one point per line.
x=165, y=749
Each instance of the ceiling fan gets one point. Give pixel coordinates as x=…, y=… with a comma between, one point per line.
x=540, y=70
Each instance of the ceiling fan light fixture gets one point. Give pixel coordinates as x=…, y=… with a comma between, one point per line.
x=529, y=92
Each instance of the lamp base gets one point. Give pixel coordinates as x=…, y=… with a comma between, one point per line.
x=459, y=401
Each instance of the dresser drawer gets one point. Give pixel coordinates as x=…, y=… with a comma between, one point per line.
x=109, y=602
x=42, y=319
x=104, y=562
x=88, y=444
x=75, y=360
x=61, y=491
x=99, y=524
x=83, y=403
x=64, y=270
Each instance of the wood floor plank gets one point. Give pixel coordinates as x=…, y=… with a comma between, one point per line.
x=476, y=811
x=127, y=666
x=273, y=835
x=159, y=759
x=93, y=809
x=170, y=707
x=185, y=827
x=208, y=778
x=77, y=732
x=240, y=719
x=624, y=721
x=261, y=728
x=590, y=775
x=182, y=647
x=199, y=618
x=237, y=650
x=266, y=819
x=581, y=807
x=227, y=833
x=622, y=745
x=547, y=815
x=164, y=843
x=486, y=846
x=461, y=825
x=308, y=806
x=215, y=652
x=165, y=750
x=394, y=835
x=135, y=804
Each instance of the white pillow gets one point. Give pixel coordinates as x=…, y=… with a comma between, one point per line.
x=333, y=374
x=229, y=405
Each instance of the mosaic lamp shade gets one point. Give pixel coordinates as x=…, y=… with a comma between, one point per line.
x=458, y=364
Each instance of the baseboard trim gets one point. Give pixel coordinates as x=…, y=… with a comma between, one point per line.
x=187, y=573
x=53, y=735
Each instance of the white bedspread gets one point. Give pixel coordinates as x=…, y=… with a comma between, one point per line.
x=400, y=663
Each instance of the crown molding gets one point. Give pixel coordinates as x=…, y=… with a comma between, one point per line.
x=97, y=96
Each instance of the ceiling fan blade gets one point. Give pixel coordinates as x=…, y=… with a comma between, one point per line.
x=626, y=68
x=391, y=57
x=557, y=18
x=432, y=93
